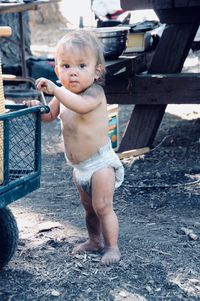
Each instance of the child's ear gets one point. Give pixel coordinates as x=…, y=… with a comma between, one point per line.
x=99, y=71
x=56, y=71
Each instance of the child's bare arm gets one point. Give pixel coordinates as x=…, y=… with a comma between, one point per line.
x=80, y=103
x=54, y=106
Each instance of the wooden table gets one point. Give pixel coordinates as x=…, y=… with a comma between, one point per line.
x=20, y=8
x=163, y=83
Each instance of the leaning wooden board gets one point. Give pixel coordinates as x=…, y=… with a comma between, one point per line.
x=5, y=31
x=2, y=110
x=133, y=153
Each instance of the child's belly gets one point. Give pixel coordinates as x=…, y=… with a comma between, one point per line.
x=82, y=148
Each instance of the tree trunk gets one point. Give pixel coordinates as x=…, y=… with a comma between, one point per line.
x=46, y=14
x=10, y=48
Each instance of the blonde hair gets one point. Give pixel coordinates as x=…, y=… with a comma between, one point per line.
x=83, y=39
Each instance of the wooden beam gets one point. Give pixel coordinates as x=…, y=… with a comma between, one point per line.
x=145, y=4
x=133, y=153
x=157, y=4
x=167, y=89
x=169, y=57
x=179, y=15
x=127, y=66
x=9, y=8
x=186, y=3
x=149, y=89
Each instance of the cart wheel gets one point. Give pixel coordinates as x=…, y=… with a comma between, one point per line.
x=9, y=235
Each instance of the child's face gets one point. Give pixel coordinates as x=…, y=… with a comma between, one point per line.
x=76, y=68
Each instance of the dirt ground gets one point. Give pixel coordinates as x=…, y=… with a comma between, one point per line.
x=157, y=204
x=158, y=208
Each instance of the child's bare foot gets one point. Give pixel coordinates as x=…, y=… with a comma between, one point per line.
x=87, y=246
x=111, y=255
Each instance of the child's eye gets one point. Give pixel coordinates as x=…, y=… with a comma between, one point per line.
x=82, y=65
x=66, y=66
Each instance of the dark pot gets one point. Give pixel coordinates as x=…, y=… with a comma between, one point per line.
x=114, y=40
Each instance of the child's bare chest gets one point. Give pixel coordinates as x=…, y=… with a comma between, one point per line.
x=73, y=123
x=70, y=120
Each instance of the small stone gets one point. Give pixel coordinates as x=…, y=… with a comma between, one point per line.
x=48, y=225
x=123, y=294
x=55, y=293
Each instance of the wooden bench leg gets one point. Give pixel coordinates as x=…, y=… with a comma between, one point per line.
x=169, y=57
x=142, y=127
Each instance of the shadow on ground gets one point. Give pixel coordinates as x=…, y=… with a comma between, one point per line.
x=157, y=201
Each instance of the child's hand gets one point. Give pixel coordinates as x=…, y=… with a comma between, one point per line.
x=32, y=103
x=45, y=85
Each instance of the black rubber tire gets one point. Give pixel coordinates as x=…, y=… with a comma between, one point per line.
x=9, y=236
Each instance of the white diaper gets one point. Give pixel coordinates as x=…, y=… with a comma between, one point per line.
x=105, y=157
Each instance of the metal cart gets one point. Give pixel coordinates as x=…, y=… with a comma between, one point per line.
x=20, y=162
x=20, y=167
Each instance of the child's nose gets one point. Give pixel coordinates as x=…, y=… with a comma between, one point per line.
x=74, y=71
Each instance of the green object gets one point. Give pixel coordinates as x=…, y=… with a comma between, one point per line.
x=113, y=127
x=21, y=147
x=20, y=167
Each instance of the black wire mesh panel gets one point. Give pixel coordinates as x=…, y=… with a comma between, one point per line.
x=20, y=132
x=20, y=152
x=22, y=136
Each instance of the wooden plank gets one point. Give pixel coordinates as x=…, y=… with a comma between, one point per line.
x=167, y=89
x=157, y=4
x=126, y=66
x=8, y=8
x=146, y=4
x=180, y=88
x=173, y=48
x=119, y=90
x=119, y=76
x=142, y=127
x=186, y=3
x=2, y=110
x=179, y=15
x=133, y=153
x=169, y=57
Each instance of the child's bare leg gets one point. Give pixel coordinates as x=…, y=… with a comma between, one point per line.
x=94, y=243
x=103, y=183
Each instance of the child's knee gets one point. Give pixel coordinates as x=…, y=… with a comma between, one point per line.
x=102, y=206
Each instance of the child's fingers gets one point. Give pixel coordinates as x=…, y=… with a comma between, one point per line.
x=41, y=83
x=45, y=85
x=40, y=80
x=31, y=103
